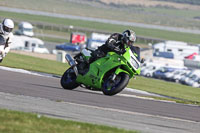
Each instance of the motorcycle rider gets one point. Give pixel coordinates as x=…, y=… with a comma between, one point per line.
x=6, y=28
x=116, y=44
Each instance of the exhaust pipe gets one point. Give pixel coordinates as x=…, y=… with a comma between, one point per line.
x=70, y=60
x=72, y=63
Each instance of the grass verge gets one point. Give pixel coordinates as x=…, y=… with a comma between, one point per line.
x=160, y=14
x=177, y=92
x=34, y=64
x=20, y=122
x=55, y=40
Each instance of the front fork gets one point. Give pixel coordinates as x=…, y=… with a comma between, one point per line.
x=114, y=75
x=117, y=71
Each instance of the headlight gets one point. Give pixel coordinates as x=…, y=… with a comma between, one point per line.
x=134, y=63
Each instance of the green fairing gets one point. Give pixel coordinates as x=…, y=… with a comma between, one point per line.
x=100, y=67
x=127, y=56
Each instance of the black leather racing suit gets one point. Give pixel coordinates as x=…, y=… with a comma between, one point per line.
x=115, y=43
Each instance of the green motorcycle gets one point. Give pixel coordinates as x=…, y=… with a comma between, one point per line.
x=109, y=74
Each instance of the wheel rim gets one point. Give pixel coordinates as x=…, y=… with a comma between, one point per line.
x=110, y=85
x=70, y=76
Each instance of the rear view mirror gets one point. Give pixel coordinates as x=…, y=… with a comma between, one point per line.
x=142, y=60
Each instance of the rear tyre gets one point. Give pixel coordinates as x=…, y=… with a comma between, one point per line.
x=111, y=87
x=68, y=80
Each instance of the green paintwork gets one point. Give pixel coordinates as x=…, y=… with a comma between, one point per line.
x=113, y=61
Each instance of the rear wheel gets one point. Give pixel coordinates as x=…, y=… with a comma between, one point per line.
x=111, y=87
x=68, y=80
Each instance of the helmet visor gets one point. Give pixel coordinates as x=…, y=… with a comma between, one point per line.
x=132, y=37
x=6, y=29
x=130, y=43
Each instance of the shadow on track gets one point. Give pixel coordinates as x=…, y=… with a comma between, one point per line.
x=75, y=90
x=46, y=86
x=89, y=92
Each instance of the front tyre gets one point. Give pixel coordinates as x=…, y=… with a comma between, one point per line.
x=111, y=87
x=68, y=80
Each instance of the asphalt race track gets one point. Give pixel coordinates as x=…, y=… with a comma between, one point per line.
x=45, y=96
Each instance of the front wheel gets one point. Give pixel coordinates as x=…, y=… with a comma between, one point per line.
x=68, y=80
x=111, y=87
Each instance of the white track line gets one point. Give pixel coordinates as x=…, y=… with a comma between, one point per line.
x=23, y=71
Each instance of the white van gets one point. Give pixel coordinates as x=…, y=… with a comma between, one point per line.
x=25, y=28
x=177, y=48
x=30, y=44
x=97, y=40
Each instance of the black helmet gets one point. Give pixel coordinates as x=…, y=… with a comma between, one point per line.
x=129, y=37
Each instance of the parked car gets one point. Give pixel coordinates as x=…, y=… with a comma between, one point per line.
x=194, y=79
x=169, y=75
x=161, y=73
x=148, y=70
x=68, y=47
x=184, y=79
x=179, y=74
x=196, y=83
